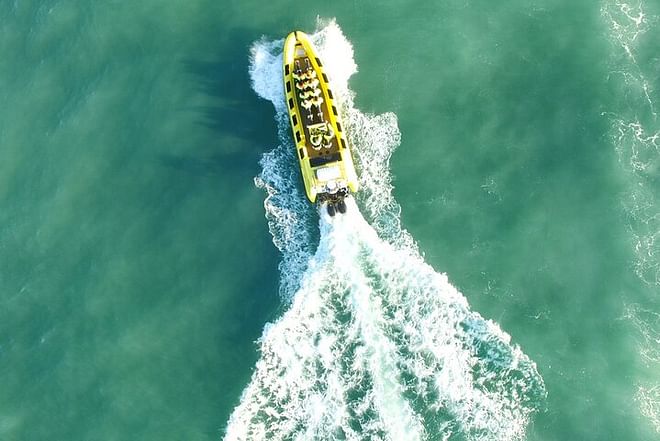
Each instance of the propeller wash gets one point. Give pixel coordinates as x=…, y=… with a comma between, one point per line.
x=374, y=344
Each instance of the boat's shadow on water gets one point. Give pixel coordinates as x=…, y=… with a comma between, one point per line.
x=241, y=128
x=244, y=124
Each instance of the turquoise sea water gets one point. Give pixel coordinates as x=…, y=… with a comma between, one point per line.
x=139, y=265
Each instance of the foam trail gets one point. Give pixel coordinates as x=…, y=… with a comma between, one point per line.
x=635, y=131
x=647, y=328
x=375, y=344
x=635, y=134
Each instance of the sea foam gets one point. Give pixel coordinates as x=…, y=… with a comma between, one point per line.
x=635, y=134
x=374, y=343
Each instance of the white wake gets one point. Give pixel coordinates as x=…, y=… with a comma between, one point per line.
x=375, y=345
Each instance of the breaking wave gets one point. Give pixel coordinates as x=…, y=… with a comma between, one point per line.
x=374, y=343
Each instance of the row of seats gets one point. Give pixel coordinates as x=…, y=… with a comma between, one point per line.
x=307, y=83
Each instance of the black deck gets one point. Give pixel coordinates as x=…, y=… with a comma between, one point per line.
x=323, y=155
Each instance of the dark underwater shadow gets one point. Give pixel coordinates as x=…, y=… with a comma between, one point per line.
x=245, y=128
x=237, y=113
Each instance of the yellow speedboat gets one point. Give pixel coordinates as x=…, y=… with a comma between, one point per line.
x=325, y=159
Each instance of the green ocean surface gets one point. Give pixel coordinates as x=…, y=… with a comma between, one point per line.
x=136, y=265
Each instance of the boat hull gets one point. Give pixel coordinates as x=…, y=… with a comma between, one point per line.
x=323, y=152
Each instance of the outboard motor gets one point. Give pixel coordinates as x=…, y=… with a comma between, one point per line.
x=334, y=197
x=341, y=206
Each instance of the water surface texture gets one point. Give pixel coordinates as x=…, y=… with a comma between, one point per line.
x=162, y=276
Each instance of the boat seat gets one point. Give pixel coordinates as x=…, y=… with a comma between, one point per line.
x=316, y=139
x=321, y=135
